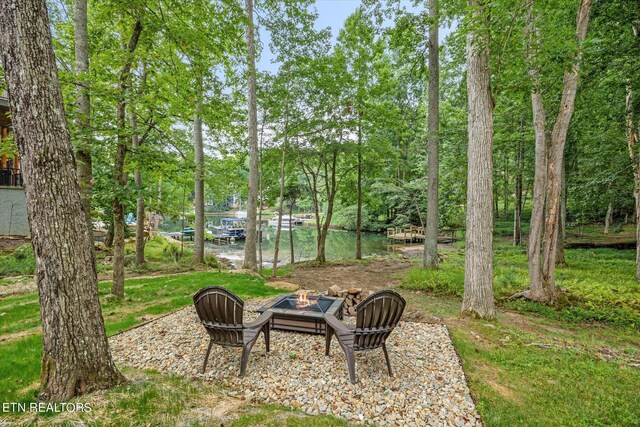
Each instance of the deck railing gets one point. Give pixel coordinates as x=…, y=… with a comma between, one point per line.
x=11, y=177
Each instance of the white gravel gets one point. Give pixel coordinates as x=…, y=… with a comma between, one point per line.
x=429, y=387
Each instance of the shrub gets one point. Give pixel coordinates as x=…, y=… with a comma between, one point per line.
x=23, y=252
x=172, y=250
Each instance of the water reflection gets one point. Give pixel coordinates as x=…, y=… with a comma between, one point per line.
x=340, y=244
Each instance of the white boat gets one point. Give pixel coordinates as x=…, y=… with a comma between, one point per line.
x=287, y=221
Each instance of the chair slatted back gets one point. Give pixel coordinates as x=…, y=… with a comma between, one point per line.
x=376, y=316
x=220, y=312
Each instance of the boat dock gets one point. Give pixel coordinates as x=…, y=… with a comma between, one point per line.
x=408, y=234
x=414, y=234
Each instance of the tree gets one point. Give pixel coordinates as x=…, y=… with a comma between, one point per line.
x=119, y=174
x=75, y=357
x=431, y=229
x=633, y=137
x=544, y=290
x=83, y=149
x=478, y=276
x=250, y=261
x=136, y=142
x=360, y=48
x=198, y=244
x=539, y=182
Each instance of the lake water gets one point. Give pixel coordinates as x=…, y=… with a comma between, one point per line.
x=340, y=244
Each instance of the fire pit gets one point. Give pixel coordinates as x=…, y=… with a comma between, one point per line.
x=302, y=313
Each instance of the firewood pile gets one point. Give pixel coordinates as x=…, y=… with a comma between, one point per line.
x=352, y=297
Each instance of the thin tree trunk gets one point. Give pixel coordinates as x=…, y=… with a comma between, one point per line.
x=135, y=143
x=546, y=291
x=261, y=197
x=540, y=174
x=430, y=259
x=505, y=187
x=632, y=144
x=517, y=211
x=250, y=261
x=359, y=191
x=75, y=350
x=607, y=218
x=83, y=122
x=560, y=259
x=198, y=244
x=293, y=260
x=330, y=184
x=283, y=164
x=478, y=278
x=119, y=175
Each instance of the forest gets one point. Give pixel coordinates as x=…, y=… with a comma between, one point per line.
x=512, y=125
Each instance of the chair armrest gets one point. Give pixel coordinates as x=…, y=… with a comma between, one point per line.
x=337, y=325
x=260, y=321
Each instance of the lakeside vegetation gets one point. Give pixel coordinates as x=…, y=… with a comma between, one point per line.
x=520, y=126
x=580, y=356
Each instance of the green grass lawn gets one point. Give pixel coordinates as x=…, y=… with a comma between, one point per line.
x=149, y=398
x=526, y=370
x=600, y=282
x=576, y=364
x=20, y=350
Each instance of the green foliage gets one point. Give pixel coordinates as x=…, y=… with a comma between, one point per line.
x=172, y=251
x=600, y=284
x=21, y=262
x=23, y=252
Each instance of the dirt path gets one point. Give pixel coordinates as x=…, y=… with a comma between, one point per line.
x=372, y=275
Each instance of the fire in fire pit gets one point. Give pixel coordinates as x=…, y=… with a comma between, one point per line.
x=316, y=304
x=302, y=313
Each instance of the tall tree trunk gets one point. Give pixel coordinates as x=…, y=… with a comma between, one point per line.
x=505, y=184
x=119, y=175
x=478, y=278
x=545, y=292
x=534, y=249
x=283, y=164
x=250, y=261
x=83, y=122
x=293, y=259
x=517, y=211
x=331, y=186
x=634, y=153
x=198, y=244
x=560, y=259
x=430, y=259
x=608, y=218
x=135, y=143
x=260, y=197
x=75, y=350
x=359, y=191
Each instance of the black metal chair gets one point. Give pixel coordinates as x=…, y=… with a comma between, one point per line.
x=220, y=312
x=376, y=316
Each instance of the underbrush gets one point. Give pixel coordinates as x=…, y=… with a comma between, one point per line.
x=161, y=255
x=21, y=262
x=600, y=284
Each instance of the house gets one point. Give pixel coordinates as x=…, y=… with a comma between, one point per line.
x=13, y=210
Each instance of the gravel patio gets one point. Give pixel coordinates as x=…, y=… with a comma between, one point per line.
x=429, y=387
